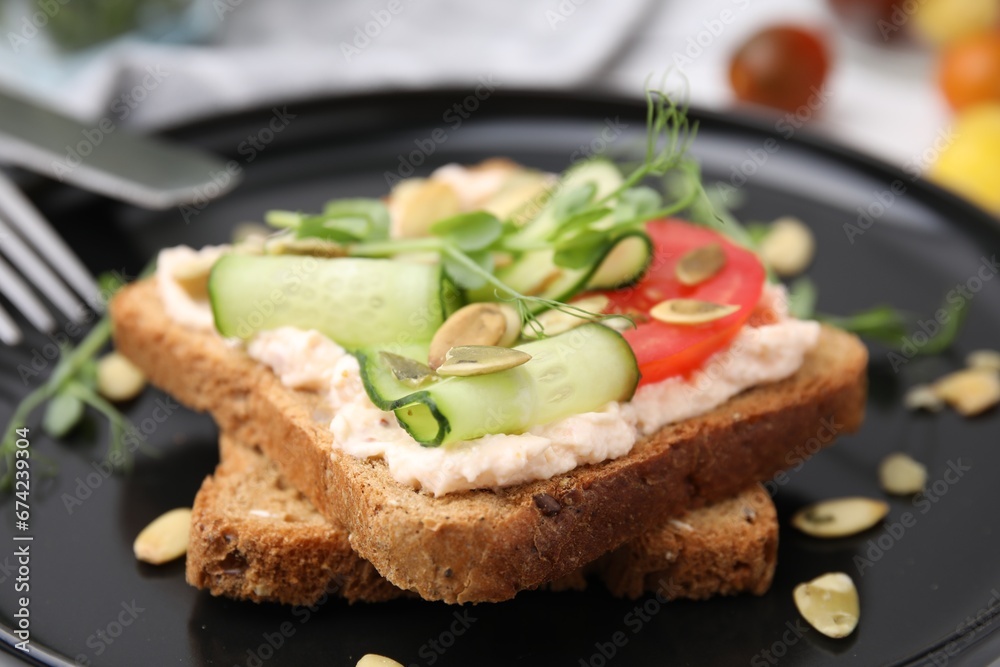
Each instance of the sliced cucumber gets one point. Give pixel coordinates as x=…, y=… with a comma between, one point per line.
x=625, y=264
x=352, y=301
x=557, y=382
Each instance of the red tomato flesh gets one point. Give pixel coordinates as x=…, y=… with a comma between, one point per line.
x=665, y=350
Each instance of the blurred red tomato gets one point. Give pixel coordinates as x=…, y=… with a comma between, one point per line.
x=780, y=67
x=970, y=70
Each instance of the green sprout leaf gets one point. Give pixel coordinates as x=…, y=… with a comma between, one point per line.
x=63, y=412
x=881, y=323
x=469, y=231
x=636, y=203
x=569, y=203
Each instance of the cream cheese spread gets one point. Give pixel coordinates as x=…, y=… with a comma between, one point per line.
x=309, y=360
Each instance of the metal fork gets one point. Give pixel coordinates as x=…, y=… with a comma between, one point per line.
x=21, y=227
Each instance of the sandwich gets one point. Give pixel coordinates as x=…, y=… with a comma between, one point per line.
x=484, y=405
x=255, y=537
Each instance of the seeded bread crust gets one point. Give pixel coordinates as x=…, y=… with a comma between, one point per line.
x=253, y=537
x=487, y=545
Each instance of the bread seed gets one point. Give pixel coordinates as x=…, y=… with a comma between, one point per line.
x=165, y=539
x=118, y=379
x=372, y=660
x=406, y=370
x=988, y=360
x=840, y=517
x=830, y=604
x=690, y=311
x=901, y=475
x=468, y=360
x=476, y=324
x=555, y=322
x=788, y=247
x=970, y=391
x=923, y=397
x=700, y=264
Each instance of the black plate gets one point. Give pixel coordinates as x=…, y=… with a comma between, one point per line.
x=931, y=587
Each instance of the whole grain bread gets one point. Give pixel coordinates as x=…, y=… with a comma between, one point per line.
x=487, y=545
x=254, y=537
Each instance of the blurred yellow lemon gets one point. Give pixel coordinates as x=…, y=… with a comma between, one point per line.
x=969, y=165
x=942, y=21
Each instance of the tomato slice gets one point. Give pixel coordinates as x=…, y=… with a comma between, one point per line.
x=665, y=350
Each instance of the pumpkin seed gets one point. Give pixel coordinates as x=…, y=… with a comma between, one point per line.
x=830, y=604
x=165, y=539
x=690, y=311
x=923, y=397
x=554, y=322
x=700, y=264
x=900, y=475
x=840, y=517
x=118, y=379
x=466, y=360
x=406, y=370
x=372, y=660
x=970, y=391
x=416, y=204
x=788, y=247
x=491, y=324
x=984, y=359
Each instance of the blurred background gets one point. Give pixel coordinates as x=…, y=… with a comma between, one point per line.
x=913, y=82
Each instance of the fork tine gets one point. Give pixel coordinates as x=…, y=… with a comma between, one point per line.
x=15, y=289
x=9, y=333
x=23, y=215
x=40, y=275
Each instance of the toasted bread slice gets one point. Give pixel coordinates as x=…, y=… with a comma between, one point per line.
x=254, y=537
x=487, y=545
